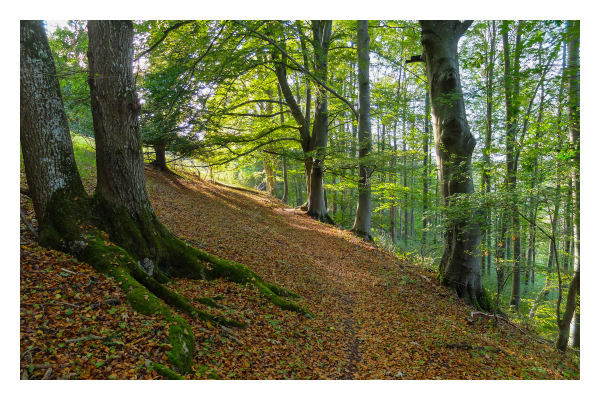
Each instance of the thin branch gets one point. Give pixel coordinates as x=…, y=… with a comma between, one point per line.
x=300, y=67
x=165, y=34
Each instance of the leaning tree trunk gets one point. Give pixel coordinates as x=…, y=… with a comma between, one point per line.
x=316, y=200
x=454, y=143
x=362, y=222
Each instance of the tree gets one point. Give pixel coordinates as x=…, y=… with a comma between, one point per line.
x=71, y=221
x=362, y=222
x=454, y=143
x=573, y=111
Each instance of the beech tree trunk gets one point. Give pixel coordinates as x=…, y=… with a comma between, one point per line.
x=45, y=138
x=362, y=222
x=573, y=112
x=454, y=143
x=511, y=83
x=425, y=169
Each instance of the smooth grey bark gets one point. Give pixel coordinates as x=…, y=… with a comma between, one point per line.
x=316, y=142
x=512, y=90
x=454, y=143
x=45, y=138
x=574, y=128
x=362, y=222
x=487, y=178
x=425, y=168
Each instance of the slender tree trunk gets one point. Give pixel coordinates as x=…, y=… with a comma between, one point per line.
x=573, y=112
x=511, y=82
x=460, y=265
x=487, y=178
x=362, y=223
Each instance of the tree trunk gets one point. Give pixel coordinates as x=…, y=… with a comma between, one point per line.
x=460, y=266
x=573, y=111
x=161, y=157
x=70, y=220
x=362, y=223
x=269, y=176
x=511, y=82
x=487, y=178
x=45, y=136
x=425, y=168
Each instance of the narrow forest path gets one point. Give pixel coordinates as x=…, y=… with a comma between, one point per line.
x=376, y=316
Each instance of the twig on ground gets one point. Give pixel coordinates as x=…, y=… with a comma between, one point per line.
x=27, y=224
x=499, y=317
x=114, y=300
x=47, y=374
x=91, y=337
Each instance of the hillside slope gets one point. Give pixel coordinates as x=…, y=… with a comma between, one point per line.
x=377, y=317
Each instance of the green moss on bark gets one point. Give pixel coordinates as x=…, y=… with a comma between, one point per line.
x=166, y=372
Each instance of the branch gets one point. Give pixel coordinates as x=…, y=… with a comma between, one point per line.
x=165, y=34
x=256, y=115
x=301, y=68
x=25, y=191
x=27, y=224
x=414, y=59
x=258, y=101
x=463, y=27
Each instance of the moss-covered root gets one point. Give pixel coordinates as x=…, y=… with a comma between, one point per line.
x=165, y=371
x=113, y=262
x=239, y=273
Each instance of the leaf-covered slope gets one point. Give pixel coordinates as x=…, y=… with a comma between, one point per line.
x=390, y=319
x=377, y=317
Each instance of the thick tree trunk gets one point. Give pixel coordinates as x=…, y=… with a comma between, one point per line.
x=460, y=266
x=362, y=223
x=46, y=141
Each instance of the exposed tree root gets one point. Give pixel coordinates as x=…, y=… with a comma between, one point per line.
x=69, y=226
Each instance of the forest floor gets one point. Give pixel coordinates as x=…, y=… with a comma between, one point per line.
x=377, y=316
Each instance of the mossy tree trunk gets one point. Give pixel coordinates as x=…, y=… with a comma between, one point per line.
x=71, y=221
x=454, y=143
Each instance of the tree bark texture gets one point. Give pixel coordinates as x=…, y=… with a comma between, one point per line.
x=454, y=143
x=115, y=111
x=362, y=222
x=573, y=115
x=46, y=141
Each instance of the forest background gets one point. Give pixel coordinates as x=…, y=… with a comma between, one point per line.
x=410, y=242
